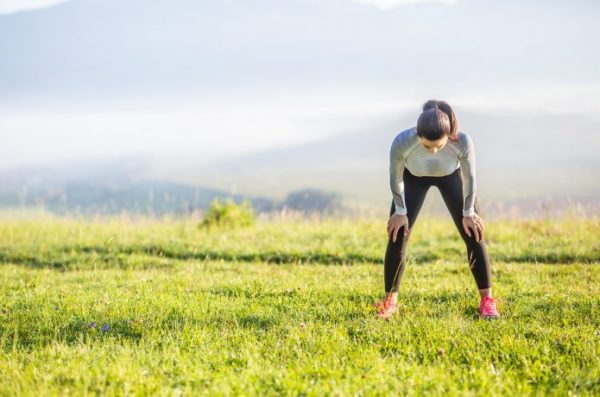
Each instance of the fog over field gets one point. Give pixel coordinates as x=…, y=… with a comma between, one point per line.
x=112, y=100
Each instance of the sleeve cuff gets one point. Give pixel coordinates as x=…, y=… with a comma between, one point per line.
x=401, y=211
x=469, y=212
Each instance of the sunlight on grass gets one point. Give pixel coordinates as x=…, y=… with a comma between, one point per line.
x=163, y=307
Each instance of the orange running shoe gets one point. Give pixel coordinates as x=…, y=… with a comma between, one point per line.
x=487, y=308
x=386, y=308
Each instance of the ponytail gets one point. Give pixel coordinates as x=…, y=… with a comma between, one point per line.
x=438, y=119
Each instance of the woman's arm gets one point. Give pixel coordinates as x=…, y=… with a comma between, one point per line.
x=396, y=174
x=467, y=169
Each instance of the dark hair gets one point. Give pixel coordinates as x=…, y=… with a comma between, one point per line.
x=436, y=121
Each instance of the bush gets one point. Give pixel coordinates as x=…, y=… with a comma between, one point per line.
x=228, y=213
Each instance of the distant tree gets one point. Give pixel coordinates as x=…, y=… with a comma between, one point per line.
x=313, y=200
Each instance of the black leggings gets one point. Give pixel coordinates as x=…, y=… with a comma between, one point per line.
x=415, y=190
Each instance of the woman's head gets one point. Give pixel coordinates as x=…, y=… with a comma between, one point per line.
x=436, y=124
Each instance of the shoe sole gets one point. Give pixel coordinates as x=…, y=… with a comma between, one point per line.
x=388, y=315
x=493, y=317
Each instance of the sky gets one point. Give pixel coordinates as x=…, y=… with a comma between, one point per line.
x=208, y=79
x=14, y=6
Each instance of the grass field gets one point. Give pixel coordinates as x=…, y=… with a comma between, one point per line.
x=161, y=307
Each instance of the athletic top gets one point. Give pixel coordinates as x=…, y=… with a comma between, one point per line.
x=407, y=151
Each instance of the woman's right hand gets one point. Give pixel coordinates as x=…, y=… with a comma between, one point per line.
x=395, y=223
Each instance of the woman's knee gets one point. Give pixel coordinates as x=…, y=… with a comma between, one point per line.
x=401, y=238
x=471, y=241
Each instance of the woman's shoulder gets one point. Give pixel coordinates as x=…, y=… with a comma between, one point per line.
x=463, y=145
x=463, y=135
x=405, y=136
x=464, y=140
x=404, y=142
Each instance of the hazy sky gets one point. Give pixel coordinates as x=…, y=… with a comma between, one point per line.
x=13, y=6
x=210, y=78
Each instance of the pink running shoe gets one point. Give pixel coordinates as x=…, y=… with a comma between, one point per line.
x=386, y=308
x=487, y=308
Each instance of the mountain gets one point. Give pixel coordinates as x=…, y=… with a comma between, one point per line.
x=525, y=162
x=522, y=158
x=108, y=187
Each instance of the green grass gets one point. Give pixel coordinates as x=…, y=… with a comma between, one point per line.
x=285, y=309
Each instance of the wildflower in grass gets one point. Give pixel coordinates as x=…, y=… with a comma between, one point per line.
x=105, y=327
x=92, y=324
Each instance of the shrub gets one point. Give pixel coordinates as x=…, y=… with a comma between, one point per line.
x=228, y=213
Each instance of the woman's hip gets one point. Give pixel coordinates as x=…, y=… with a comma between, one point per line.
x=430, y=179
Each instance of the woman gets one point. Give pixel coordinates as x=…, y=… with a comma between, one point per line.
x=434, y=153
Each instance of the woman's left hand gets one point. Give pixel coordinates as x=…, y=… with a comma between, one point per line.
x=475, y=224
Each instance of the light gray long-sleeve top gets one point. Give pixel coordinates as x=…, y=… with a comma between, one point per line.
x=407, y=151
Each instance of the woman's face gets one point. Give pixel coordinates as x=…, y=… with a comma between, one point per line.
x=433, y=146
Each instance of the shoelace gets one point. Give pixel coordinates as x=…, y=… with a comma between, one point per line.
x=490, y=304
x=387, y=303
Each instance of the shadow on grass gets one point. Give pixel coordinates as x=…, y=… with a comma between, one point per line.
x=275, y=257
x=255, y=321
x=67, y=258
x=73, y=260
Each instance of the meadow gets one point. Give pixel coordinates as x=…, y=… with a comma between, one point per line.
x=162, y=307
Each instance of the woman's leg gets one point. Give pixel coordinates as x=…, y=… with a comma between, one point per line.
x=451, y=189
x=415, y=190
